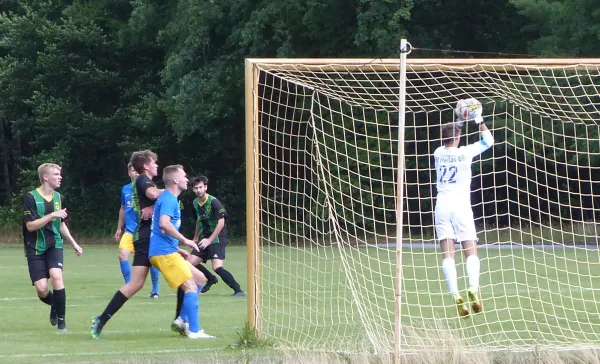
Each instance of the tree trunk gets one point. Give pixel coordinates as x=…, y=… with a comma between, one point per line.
x=16, y=159
x=4, y=160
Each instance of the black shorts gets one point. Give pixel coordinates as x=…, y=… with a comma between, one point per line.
x=213, y=251
x=140, y=257
x=40, y=265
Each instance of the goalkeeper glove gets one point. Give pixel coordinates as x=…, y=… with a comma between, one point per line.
x=475, y=114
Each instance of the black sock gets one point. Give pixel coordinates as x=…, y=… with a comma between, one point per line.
x=228, y=278
x=209, y=276
x=114, y=305
x=49, y=299
x=60, y=303
x=180, y=294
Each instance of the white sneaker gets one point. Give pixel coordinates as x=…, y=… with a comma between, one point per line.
x=200, y=335
x=178, y=325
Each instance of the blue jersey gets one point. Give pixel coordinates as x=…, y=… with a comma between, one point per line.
x=160, y=242
x=131, y=216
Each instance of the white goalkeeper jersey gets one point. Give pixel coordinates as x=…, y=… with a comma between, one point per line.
x=453, y=167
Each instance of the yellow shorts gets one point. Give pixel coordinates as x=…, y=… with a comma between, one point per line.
x=174, y=268
x=126, y=242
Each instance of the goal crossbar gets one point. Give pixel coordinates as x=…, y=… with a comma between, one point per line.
x=417, y=64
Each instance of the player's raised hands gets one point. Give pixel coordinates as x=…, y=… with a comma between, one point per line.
x=468, y=109
x=475, y=114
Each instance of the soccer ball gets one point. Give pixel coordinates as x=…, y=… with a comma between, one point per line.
x=464, y=106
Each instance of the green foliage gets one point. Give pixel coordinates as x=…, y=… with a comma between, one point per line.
x=247, y=339
x=468, y=26
x=85, y=83
x=568, y=28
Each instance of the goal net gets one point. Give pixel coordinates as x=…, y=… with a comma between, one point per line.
x=323, y=158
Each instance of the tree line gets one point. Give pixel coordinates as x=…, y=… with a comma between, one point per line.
x=83, y=83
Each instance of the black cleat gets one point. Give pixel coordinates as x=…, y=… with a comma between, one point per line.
x=62, y=326
x=208, y=284
x=53, y=317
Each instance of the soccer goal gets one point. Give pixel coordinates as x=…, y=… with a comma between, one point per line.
x=342, y=253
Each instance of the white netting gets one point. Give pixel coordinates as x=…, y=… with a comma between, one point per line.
x=328, y=145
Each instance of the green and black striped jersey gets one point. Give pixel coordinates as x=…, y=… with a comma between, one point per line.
x=48, y=236
x=208, y=214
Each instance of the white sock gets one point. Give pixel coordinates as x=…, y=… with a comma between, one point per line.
x=449, y=268
x=473, y=267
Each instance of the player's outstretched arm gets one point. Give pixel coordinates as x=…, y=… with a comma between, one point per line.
x=207, y=241
x=164, y=221
x=196, y=234
x=120, y=224
x=66, y=234
x=486, y=135
x=487, y=139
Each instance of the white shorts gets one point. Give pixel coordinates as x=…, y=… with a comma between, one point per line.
x=454, y=220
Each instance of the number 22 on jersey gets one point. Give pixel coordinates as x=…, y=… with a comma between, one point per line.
x=447, y=174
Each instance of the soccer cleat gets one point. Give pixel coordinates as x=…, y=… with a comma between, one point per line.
x=474, y=298
x=53, y=317
x=239, y=294
x=96, y=327
x=208, y=284
x=200, y=335
x=179, y=326
x=463, y=309
x=154, y=295
x=62, y=326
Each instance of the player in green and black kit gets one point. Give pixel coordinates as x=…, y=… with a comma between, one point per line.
x=44, y=229
x=211, y=237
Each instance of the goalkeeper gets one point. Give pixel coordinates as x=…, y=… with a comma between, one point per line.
x=453, y=213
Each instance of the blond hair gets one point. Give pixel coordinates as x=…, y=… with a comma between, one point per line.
x=45, y=168
x=169, y=173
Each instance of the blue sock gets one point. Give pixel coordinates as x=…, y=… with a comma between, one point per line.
x=126, y=270
x=154, y=275
x=190, y=309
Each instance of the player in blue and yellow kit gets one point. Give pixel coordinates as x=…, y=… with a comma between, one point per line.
x=126, y=227
x=166, y=255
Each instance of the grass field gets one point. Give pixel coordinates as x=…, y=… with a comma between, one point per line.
x=140, y=330
x=533, y=298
